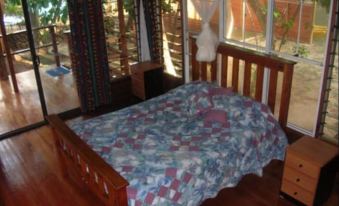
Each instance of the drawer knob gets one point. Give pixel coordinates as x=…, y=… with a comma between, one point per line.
x=295, y=193
x=297, y=180
x=300, y=165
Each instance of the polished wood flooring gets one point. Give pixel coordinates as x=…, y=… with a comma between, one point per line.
x=21, y=109
x=30, y=175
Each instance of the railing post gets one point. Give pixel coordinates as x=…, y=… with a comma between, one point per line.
x=8, y=52
x=3, y=67
x=55, y=45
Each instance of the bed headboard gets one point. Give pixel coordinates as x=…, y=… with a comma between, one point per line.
x=254, y=65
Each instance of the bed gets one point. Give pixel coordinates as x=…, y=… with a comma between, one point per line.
x=184, y=146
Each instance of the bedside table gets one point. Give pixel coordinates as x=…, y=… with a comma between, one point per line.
x=147, y=79
x=309, y=171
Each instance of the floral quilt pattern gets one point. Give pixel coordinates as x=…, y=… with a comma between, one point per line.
x=172, y=154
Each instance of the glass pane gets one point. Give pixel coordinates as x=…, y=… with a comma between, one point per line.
x=172, y=37
x=23, y=108
x=296, y=30
x=121, y=42
x=50, y=26
x=305, y=94
x=245, y=21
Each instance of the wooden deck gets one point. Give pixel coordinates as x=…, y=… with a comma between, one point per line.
x=23, y=108
x=30, y=175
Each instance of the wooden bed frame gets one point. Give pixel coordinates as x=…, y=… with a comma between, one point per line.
x=83, y=165
x=252, y=60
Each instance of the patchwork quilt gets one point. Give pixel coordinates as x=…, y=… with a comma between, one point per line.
x=183, y=147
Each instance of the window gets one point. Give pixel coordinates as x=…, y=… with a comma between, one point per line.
x=299, y=31
x=172, y=37
x=121, y=42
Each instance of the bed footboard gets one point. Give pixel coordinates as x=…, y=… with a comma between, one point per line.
x=81, y=164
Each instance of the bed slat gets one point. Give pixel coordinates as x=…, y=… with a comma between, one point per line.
x=272, y=92
x=203, y=69
x=214, y=70
x=247, y=79
x=235, y=74
x=259, y=83
x=224, y=69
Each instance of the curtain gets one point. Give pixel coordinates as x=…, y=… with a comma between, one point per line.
x=89, y=55
x=207, y=41
x=150, y=30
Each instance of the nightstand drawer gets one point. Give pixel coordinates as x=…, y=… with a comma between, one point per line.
x=297, y=192
x=300, y=179
x=301, y=165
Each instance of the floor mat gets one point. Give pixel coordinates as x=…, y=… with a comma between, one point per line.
x=58, y=71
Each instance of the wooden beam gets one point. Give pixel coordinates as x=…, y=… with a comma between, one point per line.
x=122, y=38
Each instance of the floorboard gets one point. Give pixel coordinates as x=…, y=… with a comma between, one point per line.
x=30, y=175
x=22, y=109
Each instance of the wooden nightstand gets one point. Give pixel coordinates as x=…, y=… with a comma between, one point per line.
x=309, y=171
x=147, y=80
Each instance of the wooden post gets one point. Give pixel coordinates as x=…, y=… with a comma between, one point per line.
x=122, y=39
x=55, y=46
x=3, y=67
x=70, y=49
x=8, y=52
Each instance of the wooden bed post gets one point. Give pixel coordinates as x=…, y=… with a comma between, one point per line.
x=285, y=95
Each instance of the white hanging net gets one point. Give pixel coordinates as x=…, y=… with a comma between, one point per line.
x=207, y=41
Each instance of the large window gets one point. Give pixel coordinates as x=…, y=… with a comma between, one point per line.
x=172, y=37
x=121, y=42
x=298, y=32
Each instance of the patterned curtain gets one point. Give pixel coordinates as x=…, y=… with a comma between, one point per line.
x=152, y=15
x=89, y=55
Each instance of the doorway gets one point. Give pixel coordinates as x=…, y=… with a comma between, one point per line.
x=35, y=36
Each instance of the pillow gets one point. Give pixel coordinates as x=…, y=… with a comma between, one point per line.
x=215, y=115
x=198, y=103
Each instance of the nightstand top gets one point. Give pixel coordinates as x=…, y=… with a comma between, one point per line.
x=145, y=66
x=314, y=150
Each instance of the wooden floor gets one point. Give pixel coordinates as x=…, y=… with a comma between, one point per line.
x=21, y=109
x=30, y=175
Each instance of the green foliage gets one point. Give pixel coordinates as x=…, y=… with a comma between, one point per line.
x=300, y=51
x=166, y=6
x=48, y=11
x=13, y=9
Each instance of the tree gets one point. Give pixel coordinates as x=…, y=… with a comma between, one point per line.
x=42, y=12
